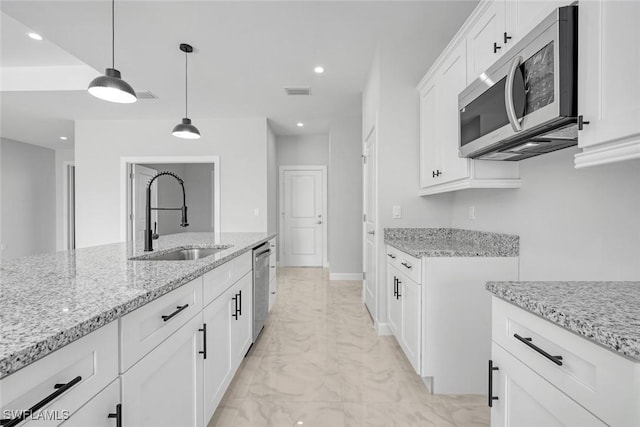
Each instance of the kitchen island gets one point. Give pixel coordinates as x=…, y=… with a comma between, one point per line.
x=109, y=332
x=572, y=348
x=50, y=300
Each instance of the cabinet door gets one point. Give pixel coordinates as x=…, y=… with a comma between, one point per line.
x=430, y=146
x=164, y=389
x=217, y=365
x=96, y=412
x=609, y=64
x=242, y=323
x=487, y=31
x=523, y=15
x=273, y=289
x=526, y=400
x=393, y=303
x=453, y=81
x=410, y=299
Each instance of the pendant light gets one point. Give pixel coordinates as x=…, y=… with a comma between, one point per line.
x=185, y=129
x=111, y=87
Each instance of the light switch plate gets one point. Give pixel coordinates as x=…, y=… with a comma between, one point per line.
x=397, y=212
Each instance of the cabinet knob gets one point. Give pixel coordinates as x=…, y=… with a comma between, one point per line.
x=496, y=48
x=506, y=37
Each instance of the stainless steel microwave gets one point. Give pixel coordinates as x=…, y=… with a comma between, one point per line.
x=526, y=103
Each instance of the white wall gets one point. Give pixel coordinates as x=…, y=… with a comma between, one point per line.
x=272, y=182
x=345, y=198
x=573, y=224
x=303, y=150
x=28, y=192
x=62, y=158
x=101, y=144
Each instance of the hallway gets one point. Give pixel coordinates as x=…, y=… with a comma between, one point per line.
x=319, y=363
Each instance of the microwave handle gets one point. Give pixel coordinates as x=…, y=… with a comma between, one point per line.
x=508, y=95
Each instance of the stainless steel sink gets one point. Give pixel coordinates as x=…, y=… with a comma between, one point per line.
x=191, y=254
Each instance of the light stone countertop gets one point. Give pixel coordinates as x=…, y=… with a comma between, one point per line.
x=452, y=242
x=607, y=313
x=50, y=300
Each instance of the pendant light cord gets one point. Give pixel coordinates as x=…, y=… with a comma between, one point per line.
x=113, y=34
x=186, y=88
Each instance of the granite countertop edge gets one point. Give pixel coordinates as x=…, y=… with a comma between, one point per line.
x=24, y=357
x=608, y=339
x=443, y=253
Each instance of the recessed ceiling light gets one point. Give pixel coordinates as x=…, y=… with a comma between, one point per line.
x=64, y=138
x=299, y=124
x=319, y=69
x=35, y=36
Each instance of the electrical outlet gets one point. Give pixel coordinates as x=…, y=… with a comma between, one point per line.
x=472, y=212
x=3, y=246
x=256, y=212
x=397, y=212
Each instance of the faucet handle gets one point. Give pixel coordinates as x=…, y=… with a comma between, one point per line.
x=155, y=231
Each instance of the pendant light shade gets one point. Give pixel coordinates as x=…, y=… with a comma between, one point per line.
x=185, y=129
x=111, y=87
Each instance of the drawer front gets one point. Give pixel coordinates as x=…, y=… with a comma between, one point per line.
x=598, y=379
x=143, y=329
x=221, y=278
x=524, y=398
x=88, y=365
x=408, y=264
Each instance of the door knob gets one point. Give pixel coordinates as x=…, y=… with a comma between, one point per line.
x=371, y=232
x=319, y=222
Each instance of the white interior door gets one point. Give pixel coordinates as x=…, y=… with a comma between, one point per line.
x=370, y=224
x=140, y=177
x=303, y=217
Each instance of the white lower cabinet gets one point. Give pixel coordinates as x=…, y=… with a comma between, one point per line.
x=165, y=387
x=438, y=309
x=403, y=308
x=101, y=411
x=68, y=378
x=525, y=399
x=228, y=321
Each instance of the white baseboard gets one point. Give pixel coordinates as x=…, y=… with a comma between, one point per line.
x=384, y=329
x=345, y=276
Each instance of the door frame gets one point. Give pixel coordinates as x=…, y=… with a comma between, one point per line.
x=125, y=191
x=67, y=216
x=325, y=216
x=380, y=326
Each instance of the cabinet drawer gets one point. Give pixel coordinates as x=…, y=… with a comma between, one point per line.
x=407, y=264
x=143, y=329
x=221, y=278
x=606, y=383
x=524, y=398
x=90, y=362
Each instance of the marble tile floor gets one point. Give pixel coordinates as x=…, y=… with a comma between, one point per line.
x=319, y=363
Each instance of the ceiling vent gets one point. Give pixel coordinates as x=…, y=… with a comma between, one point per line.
x=306, y=91
x=145, y=94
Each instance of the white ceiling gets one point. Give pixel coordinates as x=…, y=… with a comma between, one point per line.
x=245, y=54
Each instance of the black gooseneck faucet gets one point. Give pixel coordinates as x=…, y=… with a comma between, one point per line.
x=148, y=233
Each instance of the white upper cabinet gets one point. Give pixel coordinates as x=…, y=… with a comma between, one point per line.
x=453, y=80
x=485, y=39
x=608, y=89
x=523, y=16
x=430, y=152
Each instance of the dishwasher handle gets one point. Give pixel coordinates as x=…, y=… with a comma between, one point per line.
x=262, y=254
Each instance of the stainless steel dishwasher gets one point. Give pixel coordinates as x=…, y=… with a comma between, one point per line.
x=260, y=287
